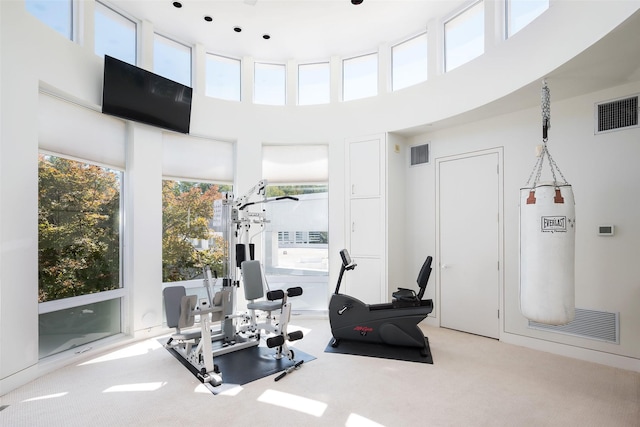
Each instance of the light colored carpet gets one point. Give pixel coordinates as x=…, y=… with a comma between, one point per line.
x=474, y=381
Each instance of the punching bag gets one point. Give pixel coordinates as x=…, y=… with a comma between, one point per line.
x=547, y=253
x=547, y=240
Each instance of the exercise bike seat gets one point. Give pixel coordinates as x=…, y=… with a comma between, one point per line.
x=407, y=297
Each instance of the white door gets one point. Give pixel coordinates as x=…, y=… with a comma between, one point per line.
x=364, y=168
x=468, y=200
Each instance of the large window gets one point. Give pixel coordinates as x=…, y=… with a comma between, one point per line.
x=409, y=62
x=57, y=14
x=464, y=36
x=223, y=77
x=78, y=252
x=114, y=35
x=172, y=59
x=269, y=84
x=296, y=237
x=296, y=243
x=360, y=77
x=521, y=12
x=314, y=83
x=189, y=240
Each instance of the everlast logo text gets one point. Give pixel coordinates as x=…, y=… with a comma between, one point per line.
x=553, y=224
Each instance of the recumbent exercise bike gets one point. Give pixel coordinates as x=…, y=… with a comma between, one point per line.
x=394, y=323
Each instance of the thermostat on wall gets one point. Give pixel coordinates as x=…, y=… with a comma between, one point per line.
x=606, y=230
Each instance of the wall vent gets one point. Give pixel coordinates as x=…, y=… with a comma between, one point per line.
x=596, y=325
x=419, y=154
x=617, y=114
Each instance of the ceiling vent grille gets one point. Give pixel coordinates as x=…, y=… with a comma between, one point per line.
x=617, y=114
x=419, y=154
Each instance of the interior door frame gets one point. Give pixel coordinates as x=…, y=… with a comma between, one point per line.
x=499, y=151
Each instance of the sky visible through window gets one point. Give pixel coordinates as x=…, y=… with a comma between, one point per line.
x=521, y=12
x=409, y=62
x=172, y=60
x=223, y=77
x=464, y=37
x=57, y=14
x=360, y=77
x=314, y=83
x=115, y=35
x=269, y=84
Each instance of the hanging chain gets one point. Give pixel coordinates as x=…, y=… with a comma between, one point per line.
x=546, y=124
x=546, y=110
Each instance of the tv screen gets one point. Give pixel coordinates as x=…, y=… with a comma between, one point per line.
x=132, y=93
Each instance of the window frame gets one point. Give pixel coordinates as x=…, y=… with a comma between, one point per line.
x=226, y=58
x=74, y=10
x=125, y=16
x=451, y=18
x=377, y=75
x=256, y=64
x=426, y=71
x=172, y=41
x=328, y=94
x=122, y=291
x=508, y=21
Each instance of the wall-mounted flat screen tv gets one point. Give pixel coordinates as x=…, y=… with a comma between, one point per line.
x=132, y=93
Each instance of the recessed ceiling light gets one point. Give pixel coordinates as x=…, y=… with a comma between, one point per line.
x=208, y=18
x=356, y=1
x=266, y=36
x=237, y=29
x=177, y=4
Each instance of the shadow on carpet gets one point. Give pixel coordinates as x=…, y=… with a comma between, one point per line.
x=247, y=365
x=359, y=348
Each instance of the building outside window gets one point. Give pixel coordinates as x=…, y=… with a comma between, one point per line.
x=360, y=77
x=409, y=62
x=314, y=83
x=115, y=35
x=57, y=14
x=296, y=235
x=223, y=77
x=79, y=253
x=521, y=13
x=172, y=59
x=464, y=36
x=296, y=241
x=269, y=86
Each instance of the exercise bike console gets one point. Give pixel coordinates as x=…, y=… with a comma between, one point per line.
x=394, y=323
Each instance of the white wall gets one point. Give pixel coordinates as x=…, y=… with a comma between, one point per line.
x=33, y=56
x=603, y=170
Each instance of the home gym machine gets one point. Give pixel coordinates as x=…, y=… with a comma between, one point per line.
x=394, y=323
x=236, y=330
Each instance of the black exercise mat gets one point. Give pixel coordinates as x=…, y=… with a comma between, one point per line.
x=361, y=348
x=243, y=366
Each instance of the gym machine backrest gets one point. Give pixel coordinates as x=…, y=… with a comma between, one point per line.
x=254, y=288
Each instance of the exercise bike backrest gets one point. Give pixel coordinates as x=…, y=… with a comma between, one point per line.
x=423, y=276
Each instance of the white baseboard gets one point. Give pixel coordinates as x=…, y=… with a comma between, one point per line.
x=588, y=355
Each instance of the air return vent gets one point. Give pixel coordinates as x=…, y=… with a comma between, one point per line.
x=596, y=325
x=617, y=114
x=419, y=154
